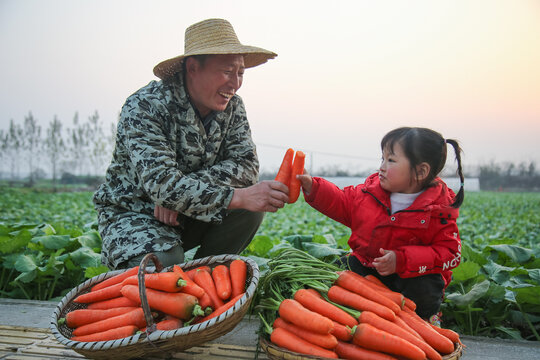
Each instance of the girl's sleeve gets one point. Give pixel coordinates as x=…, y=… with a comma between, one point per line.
x=330, y=200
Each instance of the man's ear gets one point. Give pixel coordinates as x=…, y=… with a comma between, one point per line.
x=191, y=65
x=422, y=171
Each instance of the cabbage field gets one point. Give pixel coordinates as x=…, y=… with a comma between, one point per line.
x=49, y=244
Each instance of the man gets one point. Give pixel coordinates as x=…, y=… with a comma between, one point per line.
x=184, y=170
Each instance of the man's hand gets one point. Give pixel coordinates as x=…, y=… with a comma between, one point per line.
x=386, y=264
x=267, y=196
x=166, y=216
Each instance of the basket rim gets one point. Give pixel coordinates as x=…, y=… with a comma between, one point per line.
x=141, y=338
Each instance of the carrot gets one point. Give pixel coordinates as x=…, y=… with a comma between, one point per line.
x=350, y=351
x=318, y=304
x=192, y=272
x=375, y=320
x=116, y=278
x=238, y=273
x=204, y=280
x=134, y=317
x=369, y=337
x=169, y=323
x=81, y=317
x=409, y=303
x=399, y=322
x=284, y=172
x=120, y=301
x=358, y=284
x=164, y=281
x=348, y=298
x=341, y=332
x=375, y=280
x=180, y=305
x=229, y=304
x=206, y=303
x=188, y=286
x=450, y=334
x=292, y=342
x=106, y=293
x=294, y=312
x=437, y=341
x=297, y=169
x=112, y=334
x=327, y=341
x=222, y=280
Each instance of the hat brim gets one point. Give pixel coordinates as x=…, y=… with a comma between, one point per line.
x=253, y=56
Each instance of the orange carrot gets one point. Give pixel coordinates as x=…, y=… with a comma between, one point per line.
x=327, y=341
x=358, y=284
x=367, y=317
x=188, y=286
x=409, y=303
x=134, y=317
x=437, y=341
x=164, y=281
x=229, y=304
x=112, y=334
x=341, y=332
x=222, y=280
x=451, y=334
x=192, y=272
x=375, y=280
x=284, y=172
x=348, y=298
x=318, y=304
x=181, y=305
x=350, y=351
x=297, y=169
x=206, y=303
x=169, y=323
x=81, y=317
x=399, y=322
x=238, y=273
x=369, y=337
x=116, y=278
x=106, y=293
x=292, y=342
x=120, y=301
x=204, y=280
x=294, y=312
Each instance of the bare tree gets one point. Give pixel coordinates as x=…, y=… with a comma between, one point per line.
x=14, y=145
x=78, y=144
x=54, y=146
x=97, y=144
x=32, y=142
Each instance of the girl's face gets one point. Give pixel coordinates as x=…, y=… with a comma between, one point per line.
x=395, y=173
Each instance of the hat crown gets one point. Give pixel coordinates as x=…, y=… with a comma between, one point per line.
x=208, y=34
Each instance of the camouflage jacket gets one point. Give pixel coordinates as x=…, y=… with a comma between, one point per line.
x=163, y=155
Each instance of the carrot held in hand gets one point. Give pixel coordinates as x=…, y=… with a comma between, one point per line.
x=222, y=281
x=116, y=278
x=347, y=350
x=292, y=342
x=285, y=170
x=369, y=337
x=297, y=169
x=120, y=301
x=81, y=317
x=327, y=341
x=294, y=312
x=180, y=305
x=134, y=317
x=238, y=273
x=164, y=281
x=188, y=286
x=106, y=293
x=204, y=280
x=112, y=334
x=318, y=304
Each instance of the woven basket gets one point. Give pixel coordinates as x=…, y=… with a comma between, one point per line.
x=274, y=352
x=157, y=342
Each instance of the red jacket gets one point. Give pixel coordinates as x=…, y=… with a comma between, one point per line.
x=424, y=236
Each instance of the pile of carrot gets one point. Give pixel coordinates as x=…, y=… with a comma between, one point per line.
x=292, y=165
x=176, y=298
x=350, y=317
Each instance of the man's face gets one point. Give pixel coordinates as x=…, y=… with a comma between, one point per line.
x=211, y=85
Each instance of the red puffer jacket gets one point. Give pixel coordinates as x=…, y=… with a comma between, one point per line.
x=424, y=236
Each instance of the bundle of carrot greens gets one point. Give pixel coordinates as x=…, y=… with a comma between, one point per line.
x=311, y=307
x=175, y=298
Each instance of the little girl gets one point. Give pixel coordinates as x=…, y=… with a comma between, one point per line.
x=403, y=218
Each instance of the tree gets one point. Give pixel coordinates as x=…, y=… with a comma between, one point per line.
x=54, y=146
x=78, y=144
x=14, y=144
x=32, y=142
x=97, y=143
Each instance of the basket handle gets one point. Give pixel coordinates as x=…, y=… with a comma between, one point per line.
x=150, y=324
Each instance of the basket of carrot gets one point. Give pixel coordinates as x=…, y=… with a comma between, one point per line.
x=146, y=309
x=310, y=309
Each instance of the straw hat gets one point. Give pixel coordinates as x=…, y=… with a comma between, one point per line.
x=212, y=36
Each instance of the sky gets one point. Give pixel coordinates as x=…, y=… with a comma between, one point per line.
x=347, y=72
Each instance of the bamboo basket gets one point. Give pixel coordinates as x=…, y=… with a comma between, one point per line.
x=156, y=342
x=274, y=352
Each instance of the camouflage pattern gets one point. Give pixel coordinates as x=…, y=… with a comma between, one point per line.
x=163, y=156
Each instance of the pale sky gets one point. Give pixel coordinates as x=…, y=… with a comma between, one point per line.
x=346, y=73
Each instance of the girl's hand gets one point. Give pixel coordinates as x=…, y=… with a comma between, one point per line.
x=166, y=216
x=386, y=264
x=306, y=181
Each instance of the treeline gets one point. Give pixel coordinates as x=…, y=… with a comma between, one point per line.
x=509, y=177
x=29, y=152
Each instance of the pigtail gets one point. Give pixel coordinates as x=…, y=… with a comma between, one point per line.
x=461, y=193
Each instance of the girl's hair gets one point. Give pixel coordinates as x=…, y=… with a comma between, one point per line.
x=425, y=145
